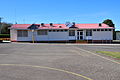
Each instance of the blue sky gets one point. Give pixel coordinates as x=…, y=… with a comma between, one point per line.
x=60, y=11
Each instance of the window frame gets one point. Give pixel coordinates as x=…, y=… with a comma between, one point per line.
x=94, y=30
x=106, y=29
x=98, y=29
x=42, y=32
x=22, y=33
x=71, y=32
x=110, y=30
x=88, y=32
x=102, y=30
x=50, y=30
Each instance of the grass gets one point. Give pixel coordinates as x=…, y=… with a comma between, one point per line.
x=110, y=53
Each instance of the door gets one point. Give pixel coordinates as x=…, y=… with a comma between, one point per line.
x=79, y=35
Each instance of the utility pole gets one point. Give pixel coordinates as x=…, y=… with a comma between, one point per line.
x=33, y=39
x=0, y=24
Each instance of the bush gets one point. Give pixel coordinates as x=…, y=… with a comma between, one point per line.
x=4, y=35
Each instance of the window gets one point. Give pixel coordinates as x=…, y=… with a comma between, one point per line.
x=61, y=30
x=102, y=29
x=58, y=30
x=50, y=30
x=88, y=32
x=78, y=38
x=71, y=32
x=110, y=29
x=81, y=37
x=98, y=29
x=106, y=30
x=66, y=30
x=94, y=29
x=81, y=33
x=42, y=32
x=79, y=30
x=54, y=30
x=22, y=33
x=77, y=33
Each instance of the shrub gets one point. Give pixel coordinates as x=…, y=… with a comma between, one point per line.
x=4, y=35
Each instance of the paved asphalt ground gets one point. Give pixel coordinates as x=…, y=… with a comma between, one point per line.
x=19, y=61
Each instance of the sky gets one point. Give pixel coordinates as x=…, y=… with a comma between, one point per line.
x=60, y=11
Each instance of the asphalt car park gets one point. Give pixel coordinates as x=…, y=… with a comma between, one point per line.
x=27, y=61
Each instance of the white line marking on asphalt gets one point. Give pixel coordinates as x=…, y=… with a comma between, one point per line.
x=97, y=55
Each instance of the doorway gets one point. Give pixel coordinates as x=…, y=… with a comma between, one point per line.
x=79, y=35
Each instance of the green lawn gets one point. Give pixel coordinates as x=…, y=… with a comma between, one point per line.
x=109, y=53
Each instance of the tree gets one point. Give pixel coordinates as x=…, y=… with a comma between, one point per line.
x=109, y=22
x=5, y=28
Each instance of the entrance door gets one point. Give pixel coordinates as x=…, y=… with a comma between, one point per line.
x=79, y=35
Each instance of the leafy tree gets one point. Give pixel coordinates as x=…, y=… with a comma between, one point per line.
x=109, y=22
x=5, y=28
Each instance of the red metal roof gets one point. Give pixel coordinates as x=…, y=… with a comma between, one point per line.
x=91, y=26
x=61, y=26
x=55, y=26
x=20, y=26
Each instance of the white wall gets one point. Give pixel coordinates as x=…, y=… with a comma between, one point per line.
x=88, y=38
x=13, y=35
x=41, y=37
x=102, y=35
x=84, y=33
x=52, y=36
x=72, y=37
x=56, y=36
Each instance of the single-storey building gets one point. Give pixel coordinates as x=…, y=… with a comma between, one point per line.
x=61, y=32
